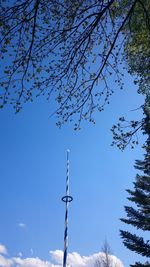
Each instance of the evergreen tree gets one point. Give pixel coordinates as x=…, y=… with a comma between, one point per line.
x=139, y=216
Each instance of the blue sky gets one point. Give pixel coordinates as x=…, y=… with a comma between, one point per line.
x=33, y=173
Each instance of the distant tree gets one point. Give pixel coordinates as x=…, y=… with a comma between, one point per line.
x=139, y=216
x=71, y=49
x=106, y=260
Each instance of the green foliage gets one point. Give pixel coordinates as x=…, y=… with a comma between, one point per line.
x=71, y=50
x=137, y=47
x=68, y=48
x=125, y=133
x=137, y=58
x=139, y=217
x=138, y=264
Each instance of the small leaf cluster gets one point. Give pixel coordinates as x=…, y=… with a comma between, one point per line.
x=125, y=133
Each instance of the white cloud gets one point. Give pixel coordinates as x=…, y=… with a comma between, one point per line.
x=22, y=225
x=4, y=262
x=3, y=249
x=76, y=260
x=56, y=258
x=31, y=262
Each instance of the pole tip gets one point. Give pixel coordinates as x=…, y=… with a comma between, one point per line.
x=68, y=150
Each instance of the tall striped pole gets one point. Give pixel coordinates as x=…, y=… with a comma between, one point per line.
x=67, y=198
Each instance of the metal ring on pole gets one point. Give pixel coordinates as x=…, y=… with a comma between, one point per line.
x=67, y=199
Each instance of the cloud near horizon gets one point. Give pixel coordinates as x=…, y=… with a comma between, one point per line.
x=56, y=257
x=3, y=249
